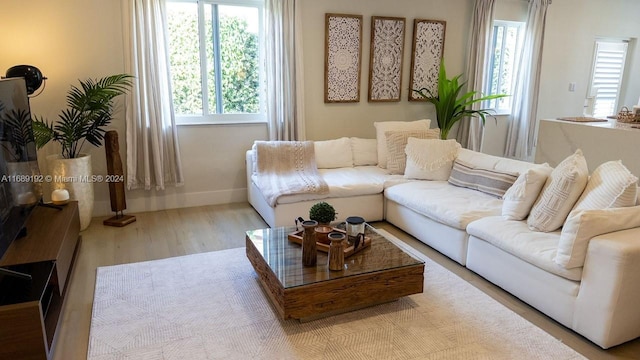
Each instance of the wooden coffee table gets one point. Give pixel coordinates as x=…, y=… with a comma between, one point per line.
x=381, y=273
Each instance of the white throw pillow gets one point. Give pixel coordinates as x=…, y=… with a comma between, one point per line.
x=365, y=151
x=560, y=192
x=396, y=144
x=611, y=185
x=382, y=127
x=520, y=197
x=331, y=154
x=430, y=159
x=582, y=225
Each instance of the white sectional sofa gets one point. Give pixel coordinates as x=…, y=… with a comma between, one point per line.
x=597, y=299
x=353, y=189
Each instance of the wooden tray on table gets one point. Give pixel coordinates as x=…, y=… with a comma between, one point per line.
x=296, y=237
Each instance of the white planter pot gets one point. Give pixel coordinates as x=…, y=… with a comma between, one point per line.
x=75, y=176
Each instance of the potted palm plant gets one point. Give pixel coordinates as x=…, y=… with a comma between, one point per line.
x=89, y=112
x=451, y=105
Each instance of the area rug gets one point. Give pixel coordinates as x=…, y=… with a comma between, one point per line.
x=211, y=306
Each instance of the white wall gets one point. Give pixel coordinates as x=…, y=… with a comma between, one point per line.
x=77, y=39
x=325, y=121
x=572, y=27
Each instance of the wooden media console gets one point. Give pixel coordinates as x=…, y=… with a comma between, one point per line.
x=30, y=307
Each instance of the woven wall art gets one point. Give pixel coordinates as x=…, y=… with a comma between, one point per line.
x=343, y=58
x=385, y=61
x=427, y=50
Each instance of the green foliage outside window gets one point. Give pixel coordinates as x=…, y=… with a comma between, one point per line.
x=239, y=55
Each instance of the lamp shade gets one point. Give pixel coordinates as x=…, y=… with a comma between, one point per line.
x=31, y=74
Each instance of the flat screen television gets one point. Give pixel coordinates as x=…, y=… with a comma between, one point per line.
x=20, y=178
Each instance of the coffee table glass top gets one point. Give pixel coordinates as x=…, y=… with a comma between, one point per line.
x=285, y=257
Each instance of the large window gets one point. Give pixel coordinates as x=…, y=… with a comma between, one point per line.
x=606, y=77
x=215, y=58
x=506, y=40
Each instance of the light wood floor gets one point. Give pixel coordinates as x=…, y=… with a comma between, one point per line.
x=161, y=234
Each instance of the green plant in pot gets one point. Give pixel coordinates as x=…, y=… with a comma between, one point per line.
x=322, y=212
x=451, y=104
x=90, y=111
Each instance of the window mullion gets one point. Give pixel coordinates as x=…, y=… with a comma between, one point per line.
x=501, y=66
x=217, y=57
x=203, y=59
x=492, y=64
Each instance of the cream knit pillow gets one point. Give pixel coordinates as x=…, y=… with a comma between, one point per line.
x=430, y=159
x=382, y=127
x=397, y=142
x=611, y=185
x=561, y=191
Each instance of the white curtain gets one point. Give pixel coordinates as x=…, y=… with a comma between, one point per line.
x=285, y=101
x=153, y=156
x=523, y=121
x=470, y=130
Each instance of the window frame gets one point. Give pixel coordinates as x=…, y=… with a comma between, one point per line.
x=225, y=118
x=490, y=64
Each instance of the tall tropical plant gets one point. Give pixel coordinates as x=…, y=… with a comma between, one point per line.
x=451, y=105
x=90, y=110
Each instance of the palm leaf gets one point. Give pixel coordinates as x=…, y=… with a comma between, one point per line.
x=451, y=106
x=90, y=109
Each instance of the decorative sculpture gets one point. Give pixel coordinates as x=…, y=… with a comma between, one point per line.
x=115, y=178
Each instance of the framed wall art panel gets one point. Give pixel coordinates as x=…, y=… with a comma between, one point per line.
x=343, y=58
x=385, y=61
x=426, y=54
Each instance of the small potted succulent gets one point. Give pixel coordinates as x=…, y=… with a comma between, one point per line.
x=322, y=212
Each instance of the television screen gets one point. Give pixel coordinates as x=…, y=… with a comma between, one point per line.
x=20, y=179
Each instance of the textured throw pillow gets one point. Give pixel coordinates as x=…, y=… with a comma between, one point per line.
x=489, y=181
x=560, y=192
x=520, y=197
x=382, y=127
x=397, y=142
x=331, y=154
x=364, y=151
x=430, y=159
x=582, y=225
x=611, y=185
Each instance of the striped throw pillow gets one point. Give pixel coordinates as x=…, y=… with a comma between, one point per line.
x=490, y=181
x=611, y=185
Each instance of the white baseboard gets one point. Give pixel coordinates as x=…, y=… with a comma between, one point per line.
x=159, y=201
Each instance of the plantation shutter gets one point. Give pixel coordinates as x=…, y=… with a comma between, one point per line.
x=606, y=78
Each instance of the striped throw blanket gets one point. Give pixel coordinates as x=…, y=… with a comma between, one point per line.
x=286, y=168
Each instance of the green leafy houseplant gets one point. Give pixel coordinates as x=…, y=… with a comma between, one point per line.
x=90, y=110
x=451, y=105
x=322, y=212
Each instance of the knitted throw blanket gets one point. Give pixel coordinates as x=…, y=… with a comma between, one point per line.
x=285, y=168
